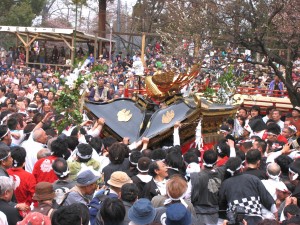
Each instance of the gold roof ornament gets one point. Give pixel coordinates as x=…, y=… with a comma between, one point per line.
x=163, y=83
x=167, y=118
x=124, y=115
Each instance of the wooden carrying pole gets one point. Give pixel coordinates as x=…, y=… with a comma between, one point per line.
x=143, y=49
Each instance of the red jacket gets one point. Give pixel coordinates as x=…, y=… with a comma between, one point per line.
x=43, y=171
x=24, y=184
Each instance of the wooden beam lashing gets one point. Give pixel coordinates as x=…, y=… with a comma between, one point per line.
x=25, y=43
x=66, y=42
x=33, y=39
x=21, y=39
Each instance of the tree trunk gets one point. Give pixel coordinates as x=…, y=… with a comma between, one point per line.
x=45, y=15
x=102, y=18
x=293, y=95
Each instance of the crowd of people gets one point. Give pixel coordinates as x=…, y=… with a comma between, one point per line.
x=251, y=175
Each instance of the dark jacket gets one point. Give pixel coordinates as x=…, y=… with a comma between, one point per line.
x=11, y=213
x=140, y=185
x=257, y=172
x=110, y=168
x=205, y=190
x=247, y=191
x=127, y=207
x=96, y=203
x=150, y=190
x=132, y=171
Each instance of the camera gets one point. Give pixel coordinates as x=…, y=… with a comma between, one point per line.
x=237, y=216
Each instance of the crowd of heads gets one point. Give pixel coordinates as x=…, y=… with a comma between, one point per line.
x=70, y=172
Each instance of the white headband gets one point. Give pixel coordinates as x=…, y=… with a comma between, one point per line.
x=295, y=176
x=63, y=174
x=133, y=163
x=32, y=109
x=5, y=157
x=224, y=131
x=4, y=134
x=82, y=156
x=232, y=172
x=142, y=171
x=170, y=199
x=208, y=165
x=274, y=177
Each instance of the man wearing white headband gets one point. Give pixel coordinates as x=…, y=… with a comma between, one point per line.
x=272, y=184
x=273, y=172
x=274, y=141
x=142, y=178
x=42, y=169
x=5, y=161
x=5, y=137
x=204, y=188
x=246, y=191
x=63, y=184
x=83, y=160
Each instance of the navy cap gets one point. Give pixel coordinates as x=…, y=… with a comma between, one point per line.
x=86, y=178
x=178, y=214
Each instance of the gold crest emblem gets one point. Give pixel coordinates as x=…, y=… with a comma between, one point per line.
x=166, y=118
x=124, y=115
